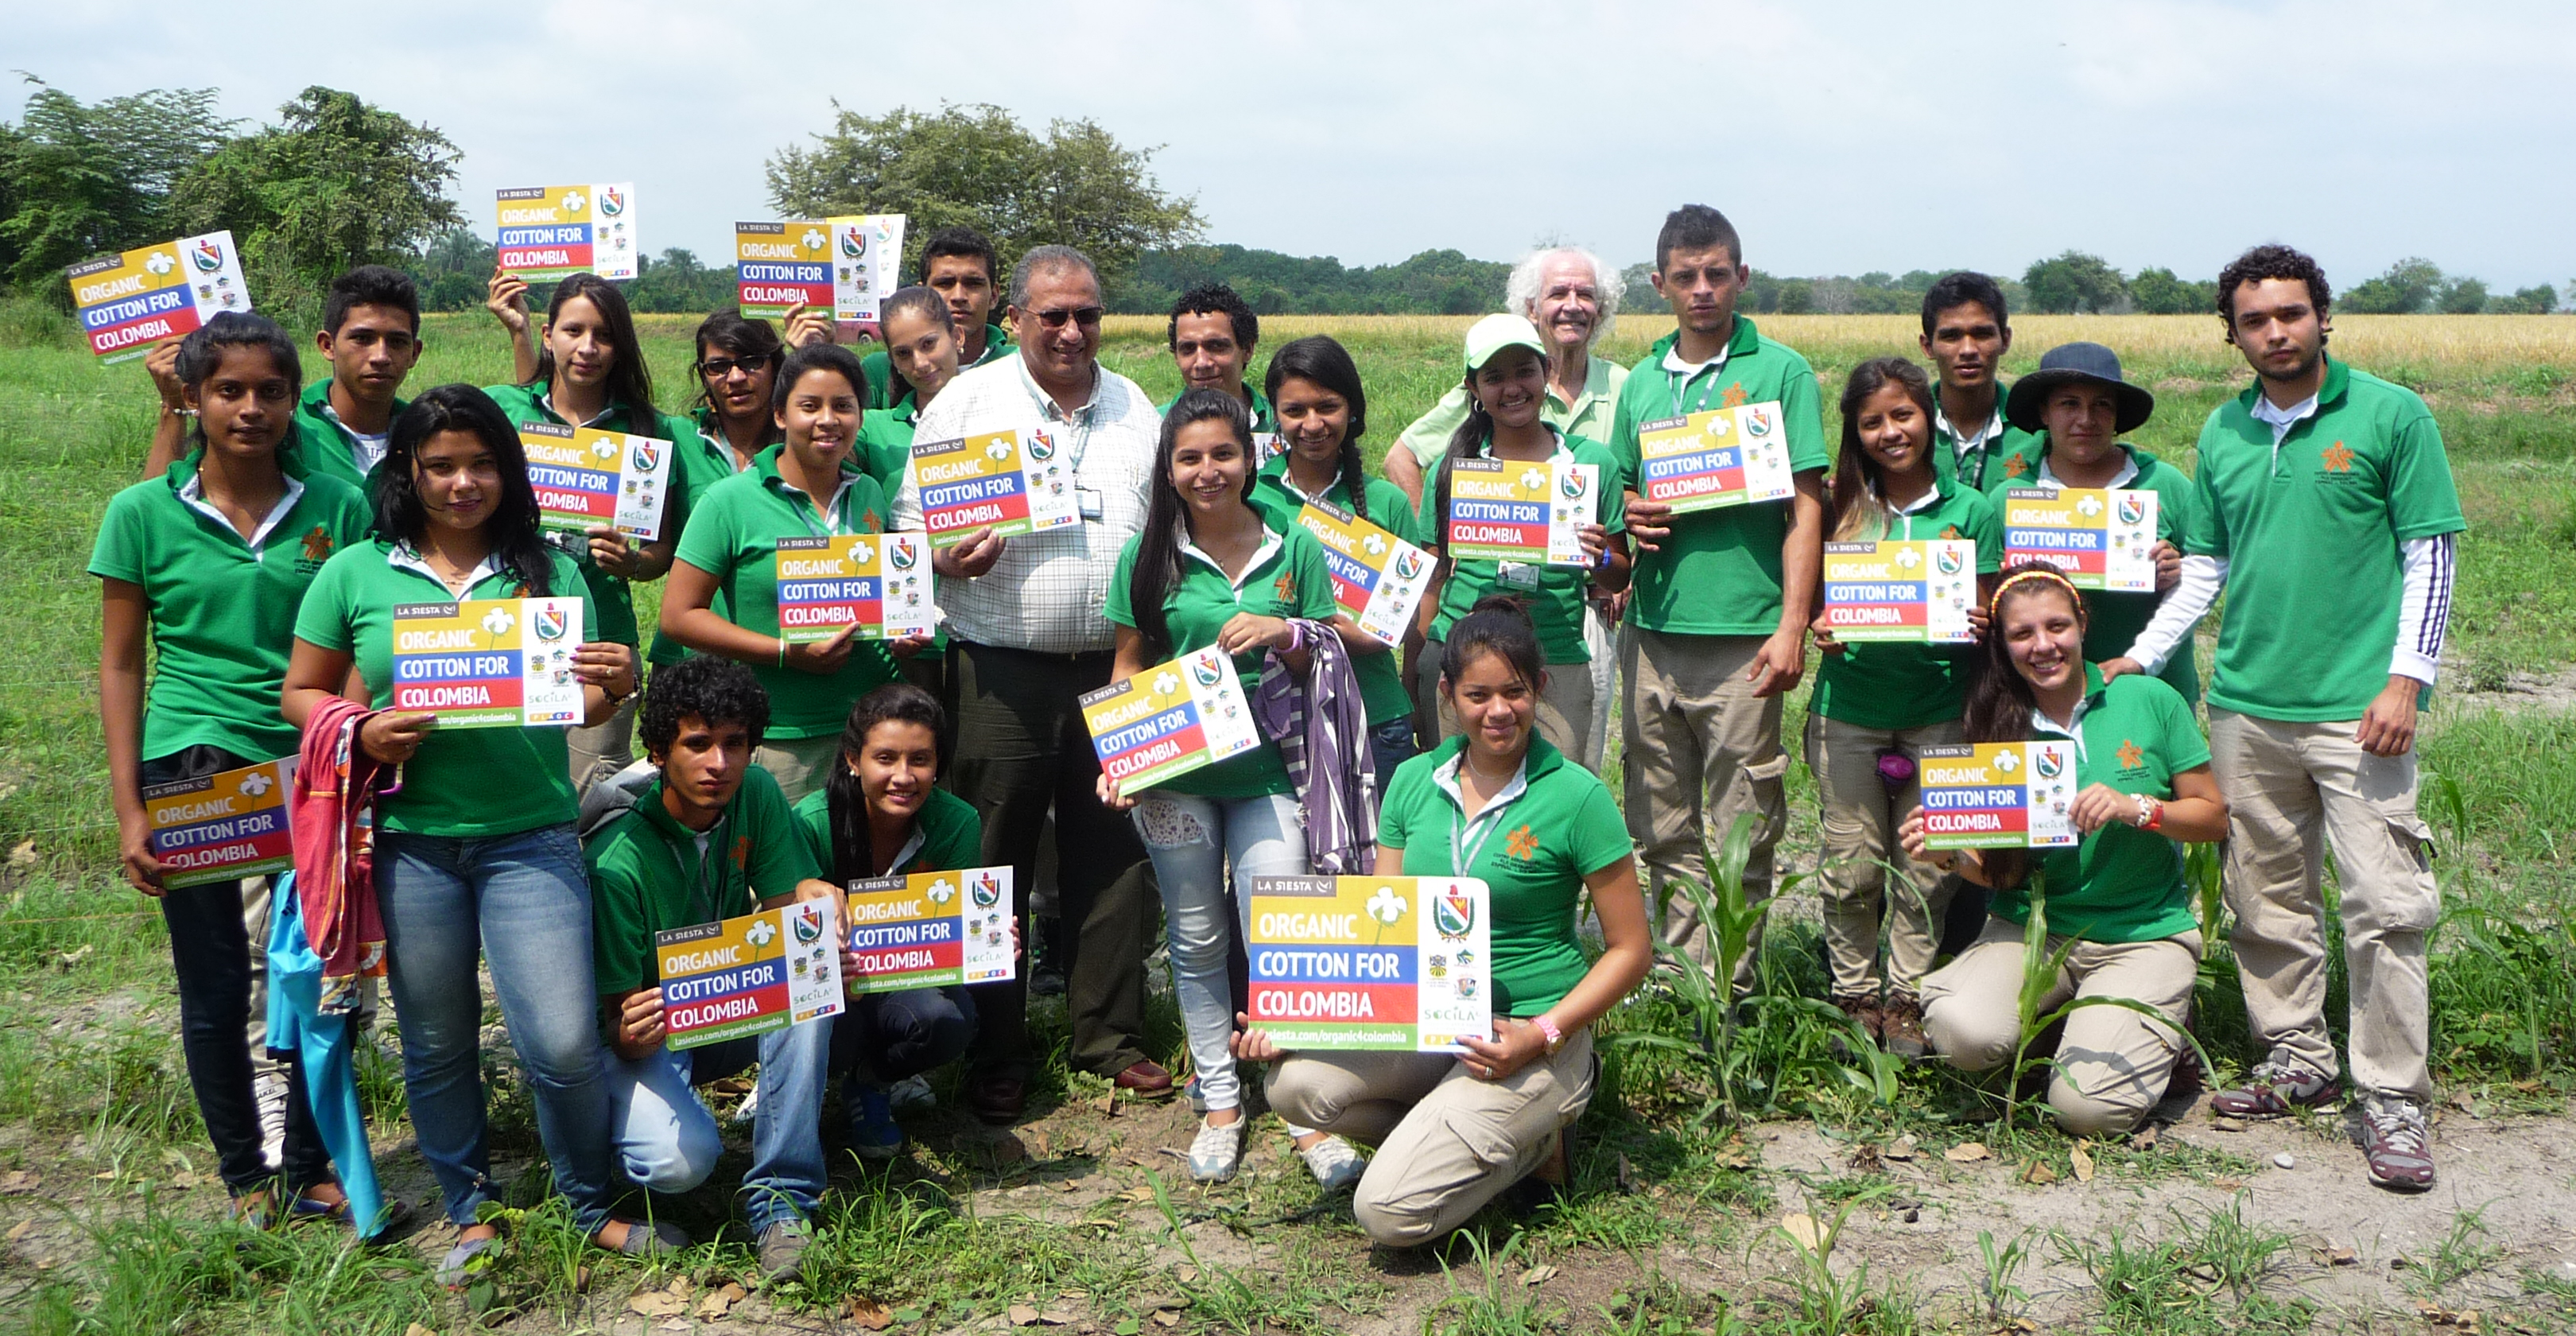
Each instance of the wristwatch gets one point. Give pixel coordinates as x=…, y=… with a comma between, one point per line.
x=1555, y=1036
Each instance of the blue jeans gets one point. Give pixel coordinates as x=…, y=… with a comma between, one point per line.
x=1392, y=744
x=1192, y=840
x=523, y=901
x=666, y=1140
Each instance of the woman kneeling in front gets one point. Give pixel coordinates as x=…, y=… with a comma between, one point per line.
x=1499, y=804
x=2143, y=783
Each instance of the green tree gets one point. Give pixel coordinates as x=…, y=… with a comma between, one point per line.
x=337, y=183
x=2158, y=292
x=978, y=166
x=77, y=180
x=2074, y=282
x=1797, y=296
x=453, y=268
x=2542, y=300
x=2407, y=287
x=2462, y=296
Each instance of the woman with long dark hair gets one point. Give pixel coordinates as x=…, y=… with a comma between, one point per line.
x=1876, y=706
x=2143, y=785
x=1211, y=568
x=475, y=852
x=920, y=335
x=1506, y=381
x=591, y=373
x=1321, y=409
x=208, y=564
x=881, y=813
x=1500, y=803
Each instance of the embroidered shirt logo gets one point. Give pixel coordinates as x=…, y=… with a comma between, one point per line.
x=1521, y=844
x=317, y=544
x=2336, y=458
x=2130, y=757
x=1735, y=396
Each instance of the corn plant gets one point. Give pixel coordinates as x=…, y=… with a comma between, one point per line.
x=2040, y=970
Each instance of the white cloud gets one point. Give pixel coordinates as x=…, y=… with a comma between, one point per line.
x=1869, y=135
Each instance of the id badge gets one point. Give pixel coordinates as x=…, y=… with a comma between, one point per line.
x=1516, y=574
x=1090, y=500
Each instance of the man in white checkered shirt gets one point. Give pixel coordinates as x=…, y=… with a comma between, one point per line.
x=1029, y=638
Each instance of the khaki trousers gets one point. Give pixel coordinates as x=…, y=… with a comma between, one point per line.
x=2294, y=790
x=1699, y=741
x=2113, y=1065
x=1565, y=707
x=1446, y=1142
x=800, y=765
x=603, y=750
x=1860, y=817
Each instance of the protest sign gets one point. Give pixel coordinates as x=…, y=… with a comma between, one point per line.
x=1714, y=458
x=1915, y=591
x=128, y=302
x=749, y=975
x=222, y=827
x=2102, y=538
x=1017, y=482
x=1346, y=963
x=1998, y=795
x=931, y=929
x=584, y=476
x=489, y=663
x=1506, y=510
x=551, y=232
x=1169, y=720
x=879, y=583
x=1378, y=578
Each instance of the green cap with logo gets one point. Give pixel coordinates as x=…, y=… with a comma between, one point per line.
x=1496, y=332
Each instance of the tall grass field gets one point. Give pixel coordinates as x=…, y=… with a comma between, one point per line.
x=114, y=1219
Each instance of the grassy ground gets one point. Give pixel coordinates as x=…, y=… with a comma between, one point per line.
x=1680, y=1222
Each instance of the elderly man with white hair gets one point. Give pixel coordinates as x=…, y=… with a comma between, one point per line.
x=1573, y=298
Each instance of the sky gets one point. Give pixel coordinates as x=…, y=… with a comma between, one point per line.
x=1840, y=137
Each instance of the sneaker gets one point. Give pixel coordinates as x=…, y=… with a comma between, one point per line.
x=912, y=1092
x=2277, y=1086
x=2396, y=1142
x=1332, y=1161
x=1216, y=1152
x=458, y=1266
x=1900, y=1026
x=270, y=1092
x=745, y=1112
x=874, y=1134
x=645, y=1238
x=782, y=1251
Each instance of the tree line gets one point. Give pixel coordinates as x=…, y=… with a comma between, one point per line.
x=336, y=182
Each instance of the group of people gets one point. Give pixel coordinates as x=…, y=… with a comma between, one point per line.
x=2320, y=506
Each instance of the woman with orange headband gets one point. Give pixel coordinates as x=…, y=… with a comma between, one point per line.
x=2143, y=783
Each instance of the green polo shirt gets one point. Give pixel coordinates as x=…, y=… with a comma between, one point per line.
x=1261, y=417
x=951, y=833
x=465, y=783
x=2121, y=884
x=1286, y=578
x=1556, y=602
x=223, y=611
x=1381, y=680
x=1589, y=414
x=1980, y=464
x=324, y=444
x=885, y=442
x=2113, y=618
x=2311, y=533
x=734, y=537
x=878, y=369
x=1718, y=572
x=610, y=594
x=649, y=873
x=1897, y=686
x=1532, y=846
x=699, y=463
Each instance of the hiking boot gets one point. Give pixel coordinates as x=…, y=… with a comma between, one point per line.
x=2396, y=1142
x=1865, y=1012
x=2277, y=1086
x=1900, y=1027
x=782, y=1251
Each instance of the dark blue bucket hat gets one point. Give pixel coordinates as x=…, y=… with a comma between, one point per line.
x=2067, y=362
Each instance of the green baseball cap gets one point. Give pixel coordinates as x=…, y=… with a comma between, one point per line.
x=1496, y=332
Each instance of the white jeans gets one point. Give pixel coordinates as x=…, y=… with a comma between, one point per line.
x=1192, y=840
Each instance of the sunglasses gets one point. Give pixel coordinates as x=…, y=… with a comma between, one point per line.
x=1086, y=316
x=717, y=368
